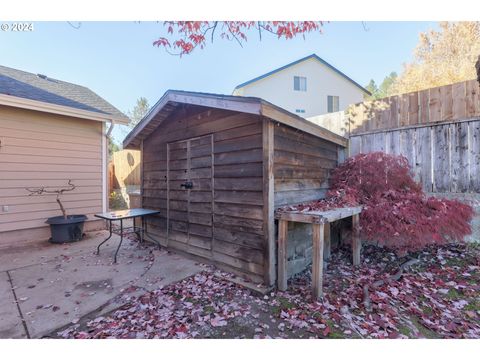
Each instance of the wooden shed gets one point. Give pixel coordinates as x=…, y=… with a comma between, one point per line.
x=217, y=166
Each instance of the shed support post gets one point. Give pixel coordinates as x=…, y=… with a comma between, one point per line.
x=282, y=254
x=317, y=261
x=356, y=242
x=268, y=202
x=327, y=242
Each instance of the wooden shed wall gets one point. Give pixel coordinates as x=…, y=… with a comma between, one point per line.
x=302, y=164
x=236, y=229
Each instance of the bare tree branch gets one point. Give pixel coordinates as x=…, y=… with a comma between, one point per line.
x=42, y=190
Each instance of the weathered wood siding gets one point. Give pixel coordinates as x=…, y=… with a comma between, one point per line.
x=444, y=157
x=39, y=149
x=224, y=223
x=302, y=164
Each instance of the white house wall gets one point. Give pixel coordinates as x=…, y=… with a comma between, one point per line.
x=321, y=82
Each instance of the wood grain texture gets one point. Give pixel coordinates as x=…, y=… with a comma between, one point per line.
x=268, y=201
x=318, y=231
x=282, y=255
x=356, y=241
x=444, y=157
x=221, y=220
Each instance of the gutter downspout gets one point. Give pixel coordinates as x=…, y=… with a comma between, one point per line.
x=105, y=141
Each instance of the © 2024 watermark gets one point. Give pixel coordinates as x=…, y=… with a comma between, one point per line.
x=17, y=26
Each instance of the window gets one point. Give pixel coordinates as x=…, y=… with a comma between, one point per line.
x=333, y=103
x=301, y=111
x=299, y=83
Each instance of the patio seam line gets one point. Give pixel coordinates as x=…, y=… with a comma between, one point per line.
x=18, y=305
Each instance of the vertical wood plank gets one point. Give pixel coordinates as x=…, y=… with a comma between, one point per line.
x=268, y=201
x=441, y=150
x=282, y=254
x=423, y=158
x=189, y=172
x=394, y=120
x=168, y=195
x=355, y=145
x=395, y=143
x=212, y=143
x=473, y=98
x=379, y=142
x=446, y=102
x=459, y=164
x=141, y=183
x=407, y=145
x=474, y=164
x=434, y=105
x=403, y=110
x=341, y=156
x=459, y=102
x=327, y=243
x=356, y=242
x=385, y=120
x=413, y=116
x=367, y=143
x=317, y=260
x=388, y=141
x=423, y=101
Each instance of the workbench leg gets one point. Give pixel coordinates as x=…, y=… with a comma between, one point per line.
x=356, y=242
x=282, y=254
x=327, y=245
x=317, y=260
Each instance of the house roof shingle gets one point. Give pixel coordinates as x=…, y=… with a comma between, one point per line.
x=45, y=89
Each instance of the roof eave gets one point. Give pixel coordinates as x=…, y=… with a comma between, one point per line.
x=19, y=102
x=255, y=106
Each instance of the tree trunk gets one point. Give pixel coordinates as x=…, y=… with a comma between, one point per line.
x=62, y=208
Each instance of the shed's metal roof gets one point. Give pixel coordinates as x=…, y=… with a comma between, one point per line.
x=251, y=105
x=312, y=56
x=42, y=88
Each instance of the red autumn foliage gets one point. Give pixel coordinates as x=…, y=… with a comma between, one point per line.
x=185, y=36
x=396, y=212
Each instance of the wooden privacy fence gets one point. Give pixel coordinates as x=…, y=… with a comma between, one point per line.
x=447, y=103
x=124, y=169
x=444, y=157
x=451, y=102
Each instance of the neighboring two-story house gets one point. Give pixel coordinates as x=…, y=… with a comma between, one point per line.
x=307, y=87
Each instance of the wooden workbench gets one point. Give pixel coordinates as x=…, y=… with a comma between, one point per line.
x=320, y=221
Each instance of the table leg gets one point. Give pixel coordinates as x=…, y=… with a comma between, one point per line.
x=142, y=232
x=104, y=241
x=356, y=242
x=317, y=260
x=282, y=254
x=327, y=245
x=121, y=240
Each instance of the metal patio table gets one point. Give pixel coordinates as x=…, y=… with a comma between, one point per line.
x=121, y=215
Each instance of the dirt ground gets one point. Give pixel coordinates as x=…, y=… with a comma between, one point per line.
x=437, y=297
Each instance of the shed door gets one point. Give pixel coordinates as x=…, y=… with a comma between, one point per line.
x=190, y=195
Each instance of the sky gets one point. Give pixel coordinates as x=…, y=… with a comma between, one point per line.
x=118, y=61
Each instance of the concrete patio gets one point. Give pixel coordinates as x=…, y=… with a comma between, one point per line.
x=49, y=286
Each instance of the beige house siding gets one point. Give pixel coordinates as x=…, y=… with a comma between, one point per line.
x=40, y=149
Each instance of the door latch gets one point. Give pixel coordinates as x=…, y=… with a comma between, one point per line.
x=187, y=185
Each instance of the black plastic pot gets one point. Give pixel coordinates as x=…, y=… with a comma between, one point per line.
x=65, y=230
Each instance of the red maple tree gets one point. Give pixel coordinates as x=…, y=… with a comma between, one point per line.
x=185, y=36
x=396, y=212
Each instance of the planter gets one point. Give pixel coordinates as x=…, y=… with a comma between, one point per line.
x=65, y=230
